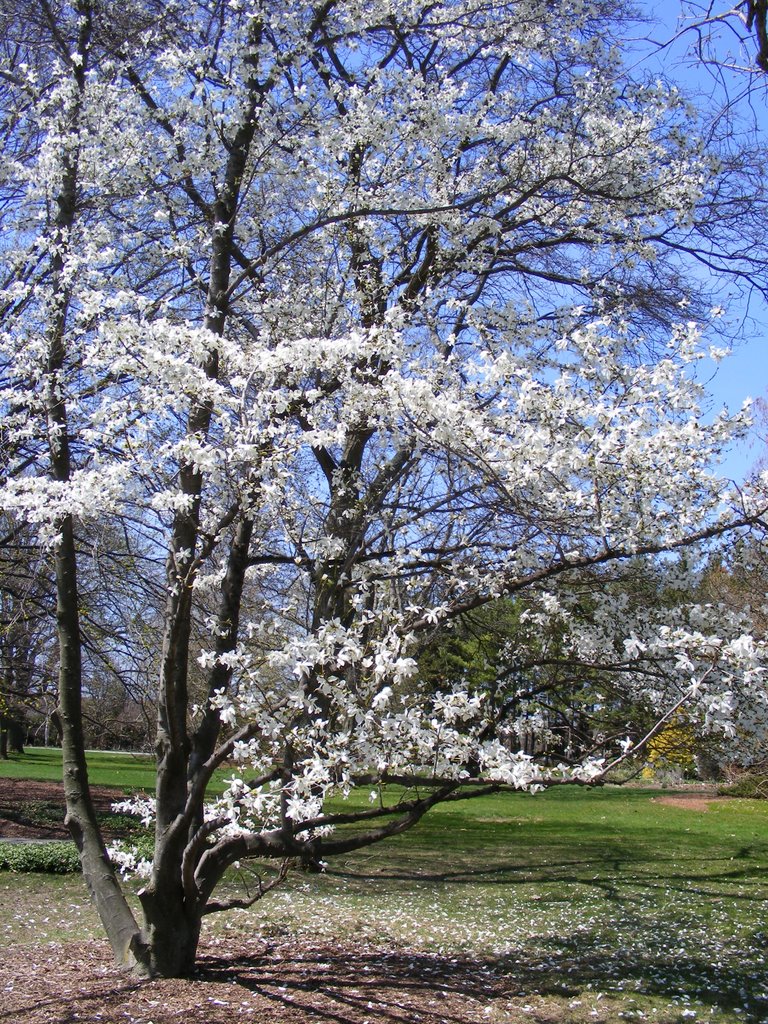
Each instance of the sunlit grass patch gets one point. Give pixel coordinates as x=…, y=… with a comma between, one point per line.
x=44, y=908
x=120, y=769
x=124, y=770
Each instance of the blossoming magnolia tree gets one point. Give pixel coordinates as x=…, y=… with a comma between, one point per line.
x=364, y=315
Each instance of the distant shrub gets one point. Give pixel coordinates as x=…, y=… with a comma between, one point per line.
x=749, y=786
x=126, y=825
x=671, y=754
x=57, y=857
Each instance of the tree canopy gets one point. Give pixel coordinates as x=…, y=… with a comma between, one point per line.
x=355, y=318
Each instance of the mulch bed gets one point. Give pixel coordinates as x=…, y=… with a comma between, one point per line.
x=279, y=983
x=20, y=798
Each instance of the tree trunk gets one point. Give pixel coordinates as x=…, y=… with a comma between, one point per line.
x=98, y=872
x=171, y=932
x=172, y=918
x=15, y=736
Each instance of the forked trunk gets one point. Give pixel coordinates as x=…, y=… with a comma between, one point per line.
x=171, y=933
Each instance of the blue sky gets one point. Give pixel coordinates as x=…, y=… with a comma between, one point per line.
x=744, y=374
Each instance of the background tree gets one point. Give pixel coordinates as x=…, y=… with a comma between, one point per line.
x=717, y=27
x=570, y=672
x=364, y=316
x=27, y=639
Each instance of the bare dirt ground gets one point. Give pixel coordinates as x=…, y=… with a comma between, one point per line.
x=691, y=800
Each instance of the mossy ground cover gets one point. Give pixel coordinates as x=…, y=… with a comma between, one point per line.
x=601, y=905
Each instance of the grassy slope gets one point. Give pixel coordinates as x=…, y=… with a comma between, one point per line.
x=124, y=771
x=604, y=900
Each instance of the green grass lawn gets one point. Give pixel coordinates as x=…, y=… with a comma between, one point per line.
x=122, y=770
x=604, y=905
x=657, y=910
x=125, y=771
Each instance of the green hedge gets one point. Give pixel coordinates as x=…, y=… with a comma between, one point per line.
x=57, y=857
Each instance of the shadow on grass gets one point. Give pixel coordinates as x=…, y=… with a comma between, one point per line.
x=349, y=987
x=608, y=874
x=287, y=982
x=666, y=971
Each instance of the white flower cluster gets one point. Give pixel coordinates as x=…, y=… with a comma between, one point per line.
x=128, y=861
